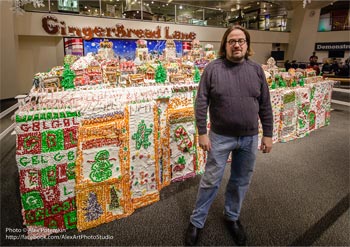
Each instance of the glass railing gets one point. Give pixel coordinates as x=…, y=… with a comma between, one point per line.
x=161, y=11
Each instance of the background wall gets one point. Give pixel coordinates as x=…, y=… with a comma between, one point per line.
x=38, y=54
x=9, y=47
x=27, y=49
x=262, y=52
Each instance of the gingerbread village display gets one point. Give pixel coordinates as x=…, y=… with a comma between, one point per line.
x=100, y=136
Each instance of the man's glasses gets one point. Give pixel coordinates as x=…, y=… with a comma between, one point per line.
x=232, y=42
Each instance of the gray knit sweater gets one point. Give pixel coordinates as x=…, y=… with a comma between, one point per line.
x=237, y=94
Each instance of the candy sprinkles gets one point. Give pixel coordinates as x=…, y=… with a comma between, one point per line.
x=96, y=152
x=46, y=154
x=100, y=155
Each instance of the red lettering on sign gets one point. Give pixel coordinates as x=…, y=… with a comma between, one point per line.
x=29, y=180
x=29, y=143
x=70, y=137
x=61, y=173
x=51, y=140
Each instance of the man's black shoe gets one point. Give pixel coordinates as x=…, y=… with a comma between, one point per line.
x=192, y=234
x=237, y=232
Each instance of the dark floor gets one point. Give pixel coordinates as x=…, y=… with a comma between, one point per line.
x=342, y=96
x=6, y=103
x=299, y=196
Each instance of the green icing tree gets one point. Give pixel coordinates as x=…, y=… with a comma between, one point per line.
x=114, y=199
x=273, y=84
x=67, y=77
x=181, y=160
x=197, y=75
x=281, y=82
x=301, y=81
x=161, y=75
x=294, y=83
x=93, y=209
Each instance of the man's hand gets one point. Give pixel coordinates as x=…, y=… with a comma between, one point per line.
x=266, y=144
x=204, y=142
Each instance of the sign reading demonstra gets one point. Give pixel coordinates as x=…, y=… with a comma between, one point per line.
x=52, y=25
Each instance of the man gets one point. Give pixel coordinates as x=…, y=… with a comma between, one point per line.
x=313, y=59
x=235, y=90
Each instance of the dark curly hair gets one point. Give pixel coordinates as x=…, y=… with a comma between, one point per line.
x=222, y=50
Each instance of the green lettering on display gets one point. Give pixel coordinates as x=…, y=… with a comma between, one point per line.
x=71, y=155
x=66, y=205
x=71, y=171
x=48, y=176
x=53, y=224
x=48, y=116
x=65, y=191
x=70, y=220
x=58, y=157
x=33, y=140
x=39, y=214
x=35, y=160
x=29, y=216
x=32, y=200
x=54, y=207
x=71, y=138
x=48, y=212
x=52, y=140
x=24, y=161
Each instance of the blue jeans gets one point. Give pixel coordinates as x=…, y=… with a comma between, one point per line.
x=244, y=149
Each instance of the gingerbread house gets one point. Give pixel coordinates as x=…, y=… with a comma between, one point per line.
x=170, y=49
x=209, y=52
x=46, y=80
x=177, y=78
x=127, y=67
x=110, y=71
x=135, y=79
x=52, y=83
x=150, y=73
x=106, y=50
x=87, y=71
x=142, y=50
x=52, y=79
x=196, y=52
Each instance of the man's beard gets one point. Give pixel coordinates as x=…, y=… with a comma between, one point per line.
x=236, y=58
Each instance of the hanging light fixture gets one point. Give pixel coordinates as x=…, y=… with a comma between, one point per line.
x=18, y=4
x=133, y=10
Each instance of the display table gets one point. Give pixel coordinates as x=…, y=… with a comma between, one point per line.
x=94, y=155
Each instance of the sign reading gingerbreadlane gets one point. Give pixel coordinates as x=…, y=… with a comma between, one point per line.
x=54, y=26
